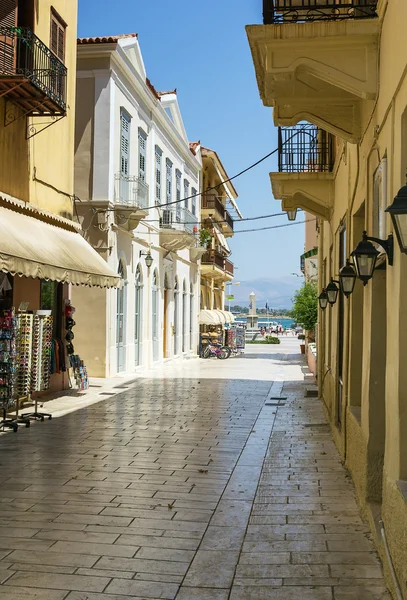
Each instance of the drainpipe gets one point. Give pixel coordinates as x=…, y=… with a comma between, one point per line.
x=389, y=561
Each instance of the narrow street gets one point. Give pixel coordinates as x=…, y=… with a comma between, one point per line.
x=174, y=489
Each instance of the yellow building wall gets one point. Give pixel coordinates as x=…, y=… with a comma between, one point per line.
x=40, y=170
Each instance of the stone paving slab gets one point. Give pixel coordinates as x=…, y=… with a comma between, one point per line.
x=188, y=485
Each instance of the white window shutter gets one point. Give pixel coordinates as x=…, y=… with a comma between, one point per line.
x=158, y=155
x=142, y=147
x=124, y=144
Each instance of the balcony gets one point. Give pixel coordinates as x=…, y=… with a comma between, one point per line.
x=131, y=195
x=214, y=207
x=177, y=228
x=296, y=11
x=216, y=266
x=31, y=76
x=305, y=163
x=316, y=61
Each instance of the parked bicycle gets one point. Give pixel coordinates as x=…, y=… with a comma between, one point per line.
x=221, y=352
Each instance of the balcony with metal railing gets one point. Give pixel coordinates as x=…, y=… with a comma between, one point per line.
x=305, y=148
x=306, y=156
x=31, y=76
x=131, y=192
x=216, y=265
x=297, y=11
x=213, y=205
x=178, y=228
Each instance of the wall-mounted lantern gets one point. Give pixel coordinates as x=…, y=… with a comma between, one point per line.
x=398, y=213
x=347, y=279
x=323, y=300
x=148, y=258
x=292, y=214
x=365, y=255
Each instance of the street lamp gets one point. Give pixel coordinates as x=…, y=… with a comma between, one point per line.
x=332, y=292
x=323, y=300
x=148, y=258
x=365, y=255
x=398, y=213
x=347, y=279
x=292, y=214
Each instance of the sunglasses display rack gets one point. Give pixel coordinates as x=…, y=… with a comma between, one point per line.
x=7, y=366
x=40, y=368
x=23, y=361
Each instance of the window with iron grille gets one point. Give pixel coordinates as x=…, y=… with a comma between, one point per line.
x=158, y=159
x=125, y=120
x=57, y=37
x=168, y=166
x=193, y=201
x=186, y=193
x=142, y=146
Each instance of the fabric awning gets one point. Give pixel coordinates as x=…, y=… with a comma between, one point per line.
x=215, y=317
x=31, y=247
x=221, y=239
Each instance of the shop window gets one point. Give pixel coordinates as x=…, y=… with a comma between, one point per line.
x=57, y=37
x=51, y=293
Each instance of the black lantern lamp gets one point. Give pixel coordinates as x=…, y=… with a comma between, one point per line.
x=398, y=213
x=365, y=255
x=347, y=279
x=323, y=300
x=148, y=258
x=292, y=214
x=332, y=291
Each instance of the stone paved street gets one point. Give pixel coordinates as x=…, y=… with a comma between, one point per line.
x=174, y=489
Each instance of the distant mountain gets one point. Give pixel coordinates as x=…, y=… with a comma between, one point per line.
x=278, y=292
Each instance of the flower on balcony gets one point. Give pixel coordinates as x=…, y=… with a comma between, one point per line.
x=205, y=237
x=195, y=229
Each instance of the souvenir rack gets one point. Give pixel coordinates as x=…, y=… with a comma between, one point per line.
x=7, y=366
x=40, y=367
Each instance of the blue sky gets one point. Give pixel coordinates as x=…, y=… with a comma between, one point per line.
x=201, y=49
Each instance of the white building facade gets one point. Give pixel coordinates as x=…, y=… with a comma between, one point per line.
x=138, y=185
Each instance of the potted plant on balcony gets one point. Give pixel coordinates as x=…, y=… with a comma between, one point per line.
x=205, y=237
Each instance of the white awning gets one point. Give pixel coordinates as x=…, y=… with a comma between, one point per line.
x=209, y=317
x=31, y=247
x=221, y=239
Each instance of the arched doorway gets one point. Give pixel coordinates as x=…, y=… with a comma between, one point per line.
x=184, y=316
x=176, y=316
x=191, y=316
x=138, y=284
x=121, y=321
x=154, y=315
x=165, y=332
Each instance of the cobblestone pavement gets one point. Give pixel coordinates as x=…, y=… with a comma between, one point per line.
x=171, y=489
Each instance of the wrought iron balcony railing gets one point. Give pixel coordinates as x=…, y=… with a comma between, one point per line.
x=304, y=148
x=297, y=11
x=179, y=218
x=229, y=220
x=212, y=257
x=30, y=74
x=229, y=267
x=131, y=192
x=213, y=203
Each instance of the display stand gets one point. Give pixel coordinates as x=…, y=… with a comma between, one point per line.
x=40, y=360
x=7, y=369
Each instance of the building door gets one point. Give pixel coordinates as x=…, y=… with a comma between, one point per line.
x=121, y=322
x=176, y=317
x=137, y=317
x=184, y=317
x=165, y=331
x=191, y=316
x=154, y=317
x=341, y=331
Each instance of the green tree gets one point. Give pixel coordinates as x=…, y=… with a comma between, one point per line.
x=305, y=306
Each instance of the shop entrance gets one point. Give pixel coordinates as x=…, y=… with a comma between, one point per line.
x=137, y=317
x=120, y=323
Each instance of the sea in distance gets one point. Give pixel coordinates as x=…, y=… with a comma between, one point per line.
x=268, y=321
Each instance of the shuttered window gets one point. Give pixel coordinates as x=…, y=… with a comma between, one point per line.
x=194, y=198
x=142, y=147
x=8, y=18
x=178, y=178
x=57, y=38
x=168, y=187
x=158, y=167
x=124, y=143
x=186, y=193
